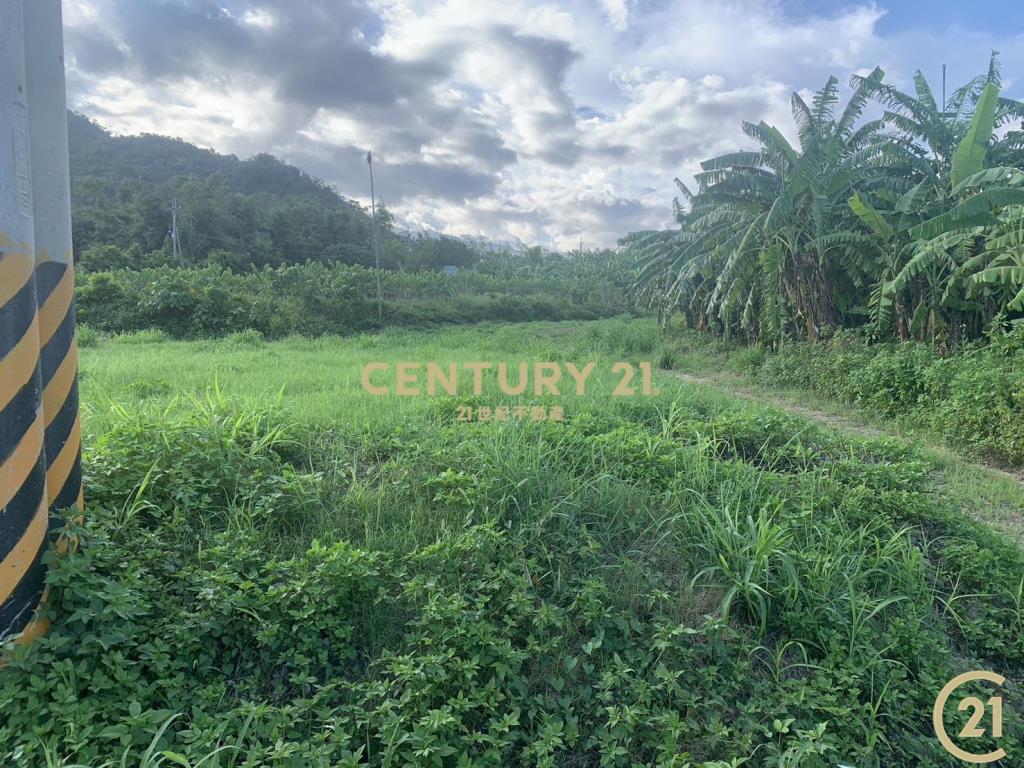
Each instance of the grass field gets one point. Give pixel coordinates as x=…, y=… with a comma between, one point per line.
x=320, y=377
x=278, y=568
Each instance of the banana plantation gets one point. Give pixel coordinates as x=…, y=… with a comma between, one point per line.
x=901, y=213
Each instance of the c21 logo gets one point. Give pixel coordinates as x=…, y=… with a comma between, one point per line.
x=986, y=717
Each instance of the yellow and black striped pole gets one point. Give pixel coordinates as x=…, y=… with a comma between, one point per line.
x=23, y=507
x=55, y=273
x=40, y=441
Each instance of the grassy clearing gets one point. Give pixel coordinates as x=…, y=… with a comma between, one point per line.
x=320, y=577
x=321, y=377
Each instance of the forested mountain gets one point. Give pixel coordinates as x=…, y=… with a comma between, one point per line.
x=158, y=159
x=236, y=213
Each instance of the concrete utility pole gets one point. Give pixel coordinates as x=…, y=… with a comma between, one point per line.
x=40, y=435
x=376, y=245
x=943, y=90
x=175, y=240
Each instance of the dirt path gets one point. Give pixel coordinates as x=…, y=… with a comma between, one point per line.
x=835, y=421
x=993, y=496
x=811, y=414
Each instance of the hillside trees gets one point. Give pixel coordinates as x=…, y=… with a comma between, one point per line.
x=216, y=224
x=235, y=213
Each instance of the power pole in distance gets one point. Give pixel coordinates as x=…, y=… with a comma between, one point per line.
x=376, y=245
x=175, y=241
x=943, y=90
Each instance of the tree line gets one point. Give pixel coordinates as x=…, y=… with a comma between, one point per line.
x=313, y=299
x=907, y=225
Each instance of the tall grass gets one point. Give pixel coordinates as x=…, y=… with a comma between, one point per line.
x=287, y=578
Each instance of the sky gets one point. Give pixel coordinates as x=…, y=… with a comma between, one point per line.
x=545, y=121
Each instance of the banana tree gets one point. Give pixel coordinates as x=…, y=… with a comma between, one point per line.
x=987, y=228
x=767, y=244
x=913, y=219
x=931, y=233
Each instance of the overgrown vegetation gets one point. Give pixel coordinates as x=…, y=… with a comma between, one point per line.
x=276, y=568
x=313, y=299
x=675, y=581
x=911, y=223
x=973, y=400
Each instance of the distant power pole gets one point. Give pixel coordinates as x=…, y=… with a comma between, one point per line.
x=175, y=241
x=943, y=90
x=376, y=245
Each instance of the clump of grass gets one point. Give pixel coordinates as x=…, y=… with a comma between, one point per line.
x=250, y=337
x=87, y=337
x=148, y=388
x=146, y=336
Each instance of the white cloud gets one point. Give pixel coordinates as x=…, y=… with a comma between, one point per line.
x=542, y=119
x=617, y=12
x=79, y=12
x=263, y=18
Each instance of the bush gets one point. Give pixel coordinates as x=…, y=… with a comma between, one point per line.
x=749, y=359
x=147, y=336
x=314, y=299
x=87, y=336
x=250, y=337
x=973, y=398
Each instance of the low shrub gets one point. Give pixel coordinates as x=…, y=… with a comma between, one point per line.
x=146, y=336
x=973, y=398
x=250, y=337
x=315, y=299
x=87, y=336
